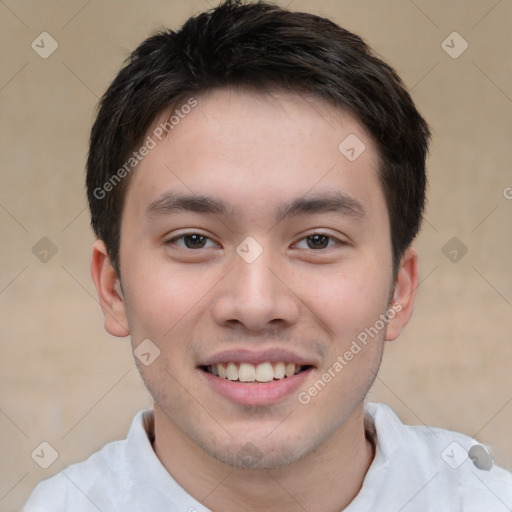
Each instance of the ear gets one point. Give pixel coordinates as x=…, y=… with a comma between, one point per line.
x=109, y=291
x=402, y=302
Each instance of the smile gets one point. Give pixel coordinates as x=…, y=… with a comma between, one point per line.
x=247, y=372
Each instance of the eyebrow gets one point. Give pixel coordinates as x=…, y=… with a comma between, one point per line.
x=170, y=203
x=338, y=203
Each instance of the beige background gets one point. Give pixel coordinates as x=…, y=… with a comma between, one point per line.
x=66, y=382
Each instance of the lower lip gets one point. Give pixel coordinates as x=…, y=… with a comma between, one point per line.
x=263, y=393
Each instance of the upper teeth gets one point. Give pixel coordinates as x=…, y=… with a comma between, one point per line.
x=246, y=372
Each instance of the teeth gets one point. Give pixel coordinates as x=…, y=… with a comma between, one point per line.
x=246, y=372
x=279, y=370
x=290, y=369
x=264, y=372
x=221, y=369
x=232, y=372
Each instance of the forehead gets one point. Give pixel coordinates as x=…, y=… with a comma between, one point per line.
x=257, y=149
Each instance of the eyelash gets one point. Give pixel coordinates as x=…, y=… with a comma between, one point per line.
x=192, y=233
x=330, y=238
x=184, y=235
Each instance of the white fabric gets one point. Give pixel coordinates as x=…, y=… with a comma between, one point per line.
x=408, y=474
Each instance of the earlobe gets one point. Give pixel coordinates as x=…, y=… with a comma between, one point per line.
x=109, y=291
x=402, y=303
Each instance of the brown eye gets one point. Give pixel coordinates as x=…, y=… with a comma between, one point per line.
x=192, y=241
x=317, y=241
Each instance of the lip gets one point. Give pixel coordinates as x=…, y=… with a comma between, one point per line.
x=256, y=394
x=274, y=355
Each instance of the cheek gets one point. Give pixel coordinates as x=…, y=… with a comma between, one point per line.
x=347, y=300
x=161, y=298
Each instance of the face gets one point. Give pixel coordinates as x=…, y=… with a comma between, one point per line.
x=256, y=258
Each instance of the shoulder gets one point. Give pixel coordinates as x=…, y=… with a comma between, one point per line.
x=447, y=465
x=82, y=487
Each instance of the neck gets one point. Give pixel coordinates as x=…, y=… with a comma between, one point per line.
x=325, y=480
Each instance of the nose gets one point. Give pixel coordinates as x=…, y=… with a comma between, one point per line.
x=256, y=296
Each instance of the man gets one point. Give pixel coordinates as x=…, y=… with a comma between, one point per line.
x=255, y=181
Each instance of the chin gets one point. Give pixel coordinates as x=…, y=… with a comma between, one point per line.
x=252, y=455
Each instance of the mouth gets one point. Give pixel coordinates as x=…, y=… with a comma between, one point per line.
x=260, y=382
x=257, y=378
x=249, y=373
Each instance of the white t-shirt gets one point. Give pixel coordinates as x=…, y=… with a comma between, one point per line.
x=415, y=469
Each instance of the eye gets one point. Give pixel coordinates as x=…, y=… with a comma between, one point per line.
x=317, y=241
x=192, y=241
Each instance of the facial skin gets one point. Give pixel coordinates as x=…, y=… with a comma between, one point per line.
x=257, y=154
